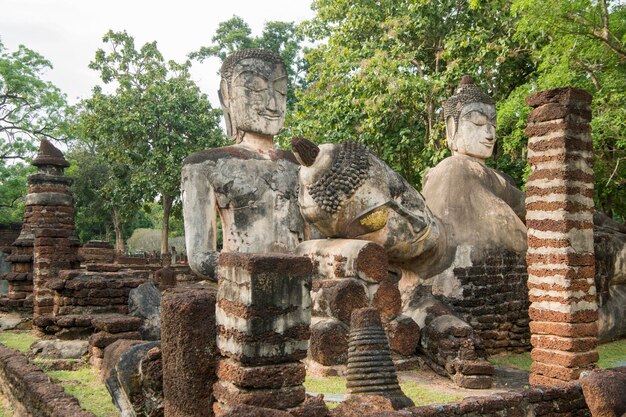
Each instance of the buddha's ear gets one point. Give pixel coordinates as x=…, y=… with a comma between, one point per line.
x=450, y=132
x=223, y=94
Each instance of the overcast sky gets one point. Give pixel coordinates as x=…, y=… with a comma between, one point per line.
x=68, y=32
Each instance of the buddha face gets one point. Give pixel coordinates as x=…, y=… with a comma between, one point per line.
x=475, y=134
x=256, y=97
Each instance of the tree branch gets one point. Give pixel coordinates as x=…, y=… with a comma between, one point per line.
x=614, y=173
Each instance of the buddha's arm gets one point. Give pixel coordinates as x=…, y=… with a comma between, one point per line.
x=514, y=197
x=200, y=215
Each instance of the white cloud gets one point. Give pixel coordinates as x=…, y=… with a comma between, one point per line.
x=68, y=32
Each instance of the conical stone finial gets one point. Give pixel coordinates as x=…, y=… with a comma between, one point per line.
x=370, y=367
x=49, y=155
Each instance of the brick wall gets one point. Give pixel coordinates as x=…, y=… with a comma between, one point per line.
x=495, y=300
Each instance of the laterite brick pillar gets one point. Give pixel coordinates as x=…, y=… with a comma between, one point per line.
x=20, y=278
x=51, y=206
x=560, y=257
x=189, y=351
x=263, y=315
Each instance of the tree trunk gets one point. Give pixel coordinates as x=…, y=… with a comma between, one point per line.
x=165, y=227
x=119, y=233
x=107, y=233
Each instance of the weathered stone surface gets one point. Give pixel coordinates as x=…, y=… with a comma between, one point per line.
x=403, y=334
x=311, y=407
x=346, y=258
x=113, y=352
x=563, y=96
x=60, y=349
x=189, y=348
x=387, y=300
x=165, y=277
x=268, y=376
x=251, y=184
x=104, y=339
x=144, y=302
x=282, y=398
x=340, y=299
x=30, y=392
x=363, y=405
x=560, y=237
x=370, y=368
x=116, y=323
x=244, y=410
x=135, y=382
x=329, y=342
x=348, y=192
x=264, y=307
x=604, y=391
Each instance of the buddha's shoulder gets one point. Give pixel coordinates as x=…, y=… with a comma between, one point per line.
x=236, y=153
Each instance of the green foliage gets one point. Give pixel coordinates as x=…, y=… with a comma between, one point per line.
x=281, y=37
x=13, y=189
x=581, y=43
x=84, y=384
x=155, y=118
x=18, y=340
x=148, y=240
x=386, y=68
x=30, y=109
x=90, y=175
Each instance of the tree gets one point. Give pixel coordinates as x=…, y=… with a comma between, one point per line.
x=584, y=45
x=30, y=109
x=387, y=66
x=156, y=117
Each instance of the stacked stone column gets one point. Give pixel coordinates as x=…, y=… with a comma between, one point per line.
x=263, y=315
x=20, y=278
x=51, y=207
x=560, y=257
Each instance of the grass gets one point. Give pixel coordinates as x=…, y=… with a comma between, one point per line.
x=424, y=396
x=514, y=360
x=418, y=393
x=5, y=409
x=18, y=340
x=611, y=354
x=85, y=385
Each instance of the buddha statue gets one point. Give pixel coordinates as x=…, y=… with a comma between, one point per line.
x=348, y=192
x=251, y=184
x=477, y=205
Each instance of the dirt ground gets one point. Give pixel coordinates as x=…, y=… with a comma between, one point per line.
x=505, y=379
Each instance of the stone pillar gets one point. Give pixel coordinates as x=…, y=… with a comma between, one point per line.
x=370, y=367
x=20, y=278
x=263, y=315
x=189, y=350
x=51, y=207
x=560, y=257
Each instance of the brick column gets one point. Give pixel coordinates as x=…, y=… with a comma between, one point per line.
x=263, y=315
x=560, y=257
x=51, y=208
x=20, y=278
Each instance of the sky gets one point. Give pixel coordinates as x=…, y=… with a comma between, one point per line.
x=68, y=32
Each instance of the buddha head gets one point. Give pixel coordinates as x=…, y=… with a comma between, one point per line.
x=253, y=92
x=470, y=121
